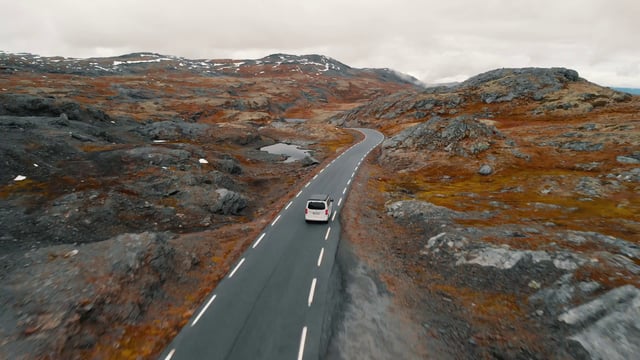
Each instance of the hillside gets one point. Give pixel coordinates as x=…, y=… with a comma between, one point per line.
x=499, y=218
x=512, y=200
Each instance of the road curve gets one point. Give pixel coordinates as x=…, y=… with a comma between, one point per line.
x=272, y=303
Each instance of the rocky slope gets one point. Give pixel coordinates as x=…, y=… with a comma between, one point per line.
x=512, y=200
x=129, y=185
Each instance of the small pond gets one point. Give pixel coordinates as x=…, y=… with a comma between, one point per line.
x=292, y=152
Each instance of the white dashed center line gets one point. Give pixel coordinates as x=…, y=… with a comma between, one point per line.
x=236, y=268
x=170, y=355
x=259, y=239
x=344, y=191
x=303, y=338
x=349, y=182
x=312, y=291
x=201, y=313
x=289, y=204
x=315, y=177
x=327, y=235
x=320, y=257
x=339, y=201
x=276, y=220
x=333, y=218
x=299, y=192
x=307, y=184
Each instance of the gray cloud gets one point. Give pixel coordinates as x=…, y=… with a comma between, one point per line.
x=432, y=40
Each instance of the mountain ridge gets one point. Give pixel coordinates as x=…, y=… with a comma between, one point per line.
x=131, y=63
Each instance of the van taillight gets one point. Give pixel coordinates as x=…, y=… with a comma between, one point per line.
x=306, y=211
x=326, y=211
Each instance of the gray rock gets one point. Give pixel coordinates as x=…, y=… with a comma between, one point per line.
x=479, y=147
x=485, y=170
x=590, y=186
x=589, y=127
x=174, y=130
x=415, y=209
x=229, y=202
x=446, y=135
x=32, y=105
x=589, y=166
x=309, y=160
x=555, y=299
x=158, y=155
x=230, y=166
x=621, y=246
x=83, y=138
x=582, y=146
x=611, y=324
x=629, y=159
x=525, y=82
x=505, y=258
x=632, y=175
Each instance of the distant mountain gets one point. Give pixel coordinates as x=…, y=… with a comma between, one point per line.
x=214, y=90
x=634, y=91
x=272, y=65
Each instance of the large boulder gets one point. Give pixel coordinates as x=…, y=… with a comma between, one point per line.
x=229, y=202
x=462, y=135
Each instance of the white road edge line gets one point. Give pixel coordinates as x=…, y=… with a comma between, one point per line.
x=339, y=201
x=312, y=291
x=327, y=235
x=299, y=192
x=201, y=313
x=344, y=191
x=276, y=220
x=307, y=184
x=259, y=239
x=315, y=177
x=170, y=355
x=333, y=218
x=303, y=339
x=289, y=204
x=236, y=268
x=349, y=182
x=320, y=257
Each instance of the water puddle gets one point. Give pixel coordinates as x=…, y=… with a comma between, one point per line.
x=292, y=152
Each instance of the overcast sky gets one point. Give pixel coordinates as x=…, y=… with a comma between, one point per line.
x=435, y=41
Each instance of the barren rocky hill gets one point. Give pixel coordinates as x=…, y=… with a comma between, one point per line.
x=513, y=200
x=501, y=214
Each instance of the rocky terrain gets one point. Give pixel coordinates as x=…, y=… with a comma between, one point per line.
x=513, y=203
x=129, y=185
x=499, y=219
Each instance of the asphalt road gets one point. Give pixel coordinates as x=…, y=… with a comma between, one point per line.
x=272, y=304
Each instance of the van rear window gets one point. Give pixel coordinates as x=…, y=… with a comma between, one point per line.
x=315, y=205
